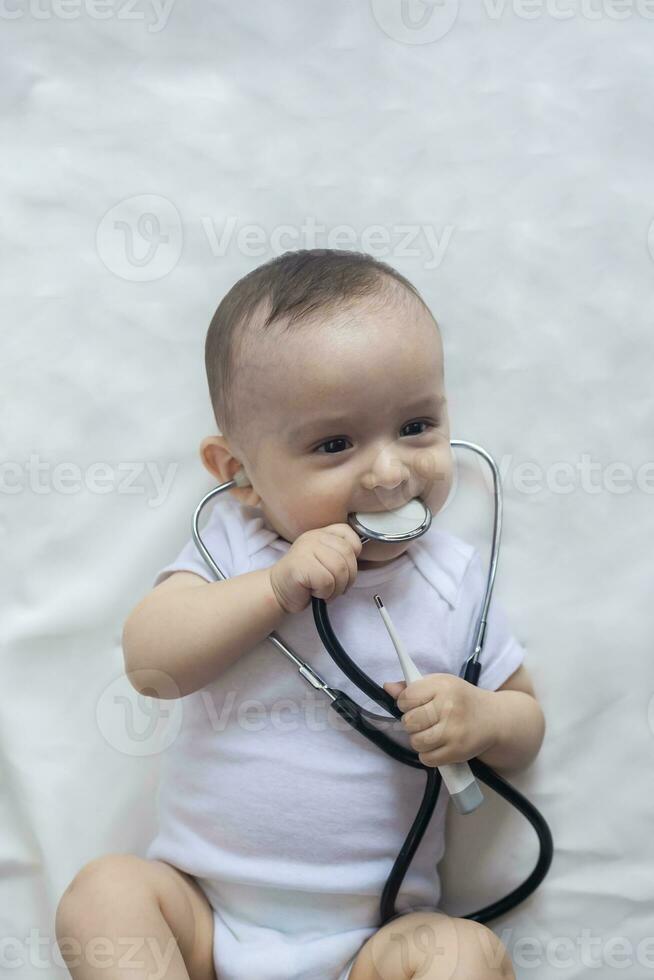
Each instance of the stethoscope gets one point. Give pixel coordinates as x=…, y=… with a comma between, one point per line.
x=405, y=524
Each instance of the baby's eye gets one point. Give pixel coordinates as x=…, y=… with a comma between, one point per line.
x=418, y=422
x=342, y=439
x=330, y=442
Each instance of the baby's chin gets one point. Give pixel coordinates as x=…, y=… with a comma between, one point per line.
x=375, y=554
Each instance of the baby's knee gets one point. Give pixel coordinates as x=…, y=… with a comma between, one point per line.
x=95, y=887
x=433, y=946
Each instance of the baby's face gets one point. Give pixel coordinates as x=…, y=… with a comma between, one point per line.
x=348, y=415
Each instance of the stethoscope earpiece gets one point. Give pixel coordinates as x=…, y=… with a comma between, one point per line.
x=240, y=478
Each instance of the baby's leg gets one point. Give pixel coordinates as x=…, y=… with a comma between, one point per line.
x=432, y=946
x=125, y=916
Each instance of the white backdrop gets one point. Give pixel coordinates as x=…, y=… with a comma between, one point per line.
x=500, y=155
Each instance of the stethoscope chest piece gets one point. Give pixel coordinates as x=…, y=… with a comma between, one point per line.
x=402, y=524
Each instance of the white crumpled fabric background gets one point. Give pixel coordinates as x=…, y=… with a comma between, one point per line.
x=500, y=155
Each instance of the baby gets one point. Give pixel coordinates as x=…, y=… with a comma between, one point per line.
x=278, y=823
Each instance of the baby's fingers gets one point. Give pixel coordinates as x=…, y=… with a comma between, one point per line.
x=347, y=534
x=394, y=688
x=342, y=548
x=338, y=566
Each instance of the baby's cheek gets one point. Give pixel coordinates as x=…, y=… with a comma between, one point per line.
x=276, y=520
x=291, y=518
x=436, y=497
x=434, y=466
x=318, y=507
x=441, y=487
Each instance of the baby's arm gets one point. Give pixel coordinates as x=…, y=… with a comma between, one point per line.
x=187, y=631
x=520, y=724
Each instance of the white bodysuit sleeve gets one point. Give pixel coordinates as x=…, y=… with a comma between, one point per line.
x=222, y=533
x=502, y=653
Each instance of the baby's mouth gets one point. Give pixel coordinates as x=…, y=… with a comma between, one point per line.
x=389, y=507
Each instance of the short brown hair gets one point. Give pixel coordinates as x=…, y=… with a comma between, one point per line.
x=293, y=286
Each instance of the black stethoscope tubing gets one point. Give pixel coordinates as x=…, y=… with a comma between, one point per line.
x=355, y=715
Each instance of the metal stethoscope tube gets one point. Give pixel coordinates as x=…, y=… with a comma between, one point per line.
x=364, y=721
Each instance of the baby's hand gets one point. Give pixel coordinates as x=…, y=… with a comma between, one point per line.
x=321, y=562
x=449, y=719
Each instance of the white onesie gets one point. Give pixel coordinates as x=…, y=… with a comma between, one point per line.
x=289, y=819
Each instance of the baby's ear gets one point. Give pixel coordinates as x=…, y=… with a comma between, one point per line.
x=218, y=458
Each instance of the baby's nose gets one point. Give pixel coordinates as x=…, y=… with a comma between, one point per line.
x=386, y=474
